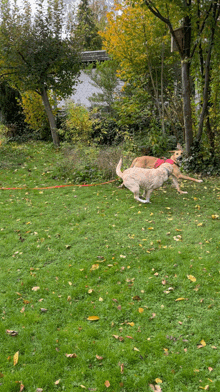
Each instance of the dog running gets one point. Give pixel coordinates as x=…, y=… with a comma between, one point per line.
x=149, y=162
x=148, y=179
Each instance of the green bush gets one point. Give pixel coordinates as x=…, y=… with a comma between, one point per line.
x=201, y=161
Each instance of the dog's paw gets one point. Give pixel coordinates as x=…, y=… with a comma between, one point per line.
x=200, y=180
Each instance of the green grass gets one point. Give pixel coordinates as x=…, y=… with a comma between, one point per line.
x=94, y=251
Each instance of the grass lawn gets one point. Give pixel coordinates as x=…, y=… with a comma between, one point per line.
x=103, y=293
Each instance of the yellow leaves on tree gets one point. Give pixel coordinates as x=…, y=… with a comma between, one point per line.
x=131, y=36
x=34, y=111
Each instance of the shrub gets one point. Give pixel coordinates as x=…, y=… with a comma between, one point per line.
x=77, y=127
x=201, y=161
x=35, y=115
x=91, y=164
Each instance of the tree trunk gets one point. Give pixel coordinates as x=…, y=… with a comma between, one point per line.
x=162, y=100
x=187, y=113
x=211, y=136
x=206, y=89
x=50, y=116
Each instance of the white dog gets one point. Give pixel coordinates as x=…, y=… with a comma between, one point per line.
x=149, y=179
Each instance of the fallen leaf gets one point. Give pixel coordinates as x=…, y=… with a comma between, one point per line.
x=39, y=390
x=21, y=387
x=93, y=318
x=155, y=388
x=153, y=315
x=107, y=384
x=136, y=349
x=158, y=381
x=191, y=278
x=43, y=310
x=94, y=267
x=57, y=382
x=140, y=310
x=203, y=343
x=99, y=358
x=210, y=369
x=136, y=298
x=15, y=358
x=35, y=288
x=179, y=299
x=71, y=355
x=131, y=324
x=83, y=386
x=11, y=332
x=177, y=237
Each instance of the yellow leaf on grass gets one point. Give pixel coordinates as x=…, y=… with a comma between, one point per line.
x=15, y=358
x=140, y=310
x=35, y=288
x=94, y=267
x=158, y=380
x=180, y=299
x=107, y=384
x=203, y=343
x=93, y=318
x=131, y=324
x=192, y=278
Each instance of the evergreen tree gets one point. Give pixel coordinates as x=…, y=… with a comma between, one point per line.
x=87, y=30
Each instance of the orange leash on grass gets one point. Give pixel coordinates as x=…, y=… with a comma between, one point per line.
x=55, y=186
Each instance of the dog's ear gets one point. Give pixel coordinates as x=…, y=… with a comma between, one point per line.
x=179, y=147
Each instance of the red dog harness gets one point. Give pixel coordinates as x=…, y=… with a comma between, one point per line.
x=160, y=161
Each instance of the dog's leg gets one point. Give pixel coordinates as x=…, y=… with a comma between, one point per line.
x=147, y=195
x=189, y=178
x=141, y=200
x=136, y=196
x=176, y=184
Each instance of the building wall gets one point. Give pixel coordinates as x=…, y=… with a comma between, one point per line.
x=83, y=91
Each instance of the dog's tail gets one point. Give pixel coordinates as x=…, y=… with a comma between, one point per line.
x=118, y=169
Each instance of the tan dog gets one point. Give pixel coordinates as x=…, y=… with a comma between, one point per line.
x=149, y=162
x=149, y=179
